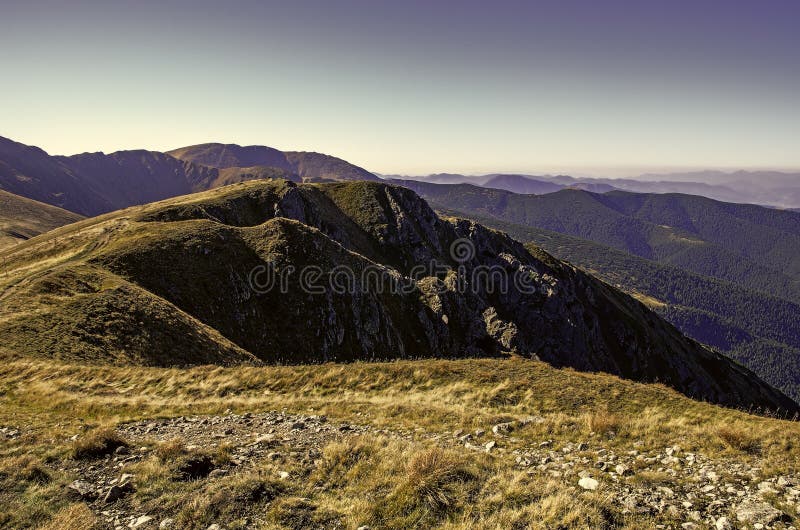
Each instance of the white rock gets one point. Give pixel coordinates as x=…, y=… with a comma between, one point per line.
x=141, y=521
x=723, y=524
x=623, y=470
x=753, y=511
x=588, y=483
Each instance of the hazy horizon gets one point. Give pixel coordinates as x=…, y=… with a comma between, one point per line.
x=613, y=89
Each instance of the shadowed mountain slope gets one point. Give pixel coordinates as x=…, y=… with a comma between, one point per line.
x=173, y=283
x=756, y=329
x=22, y=219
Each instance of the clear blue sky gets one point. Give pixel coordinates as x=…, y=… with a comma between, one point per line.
x=414, y=86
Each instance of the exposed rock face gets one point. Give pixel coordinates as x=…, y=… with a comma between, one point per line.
x=391, y=280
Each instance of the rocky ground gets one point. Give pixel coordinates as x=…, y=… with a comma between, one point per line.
x=685, y=487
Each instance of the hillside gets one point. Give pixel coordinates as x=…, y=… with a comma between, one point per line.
x=95, y=183
x=171, y=283
x=521, y=184
x=749, y=245
x=758, y=330
x=22, y=219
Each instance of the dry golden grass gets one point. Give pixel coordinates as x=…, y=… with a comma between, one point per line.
x=370, y=480
x=73, y=517
x=603, y=422
x=432, y=474
x=170, y=450
x=740, y=438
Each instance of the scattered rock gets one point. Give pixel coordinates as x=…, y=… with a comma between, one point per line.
x=755, y=511
x=84, y=490
x=502, y=429
x=118, y=491
x=723, y=524
x=623, y=470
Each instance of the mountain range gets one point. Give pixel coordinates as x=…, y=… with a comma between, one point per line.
x=94, y=183
x=697, y=262
x=169, y=284
x=768, y=188
x=753, y=246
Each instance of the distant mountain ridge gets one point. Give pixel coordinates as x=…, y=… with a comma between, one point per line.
x=309, y=166
x=95, y=183
x=768, y=188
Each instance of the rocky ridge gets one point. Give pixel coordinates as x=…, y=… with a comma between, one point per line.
x=187, y=263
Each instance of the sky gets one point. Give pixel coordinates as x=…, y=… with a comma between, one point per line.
x=414, y=87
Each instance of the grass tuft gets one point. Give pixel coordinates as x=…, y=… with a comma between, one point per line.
x=170, y=450
x=740, y=438
x=603, y=422
x=432, y=475
x=97, y=443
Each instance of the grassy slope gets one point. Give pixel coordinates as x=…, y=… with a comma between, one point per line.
x=50, y=402
x=22, y=219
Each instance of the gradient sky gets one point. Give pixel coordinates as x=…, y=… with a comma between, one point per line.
x=594, y=86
